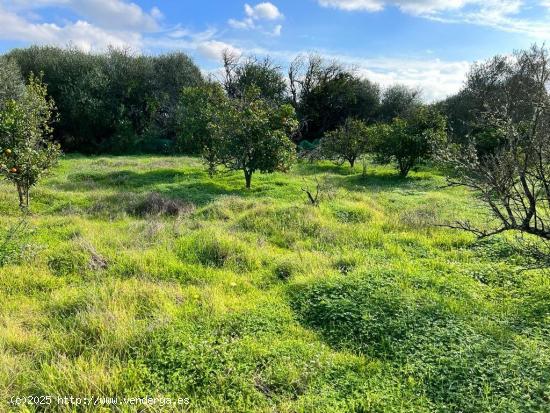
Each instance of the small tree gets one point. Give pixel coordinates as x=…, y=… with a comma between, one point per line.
x=197, y=108
x=407, y=142
x=252, y=134
x=347, y=143
x=26, y=152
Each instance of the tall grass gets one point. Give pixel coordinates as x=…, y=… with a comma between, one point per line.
x=149, y=278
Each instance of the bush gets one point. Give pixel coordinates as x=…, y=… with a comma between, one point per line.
x=346, y=143
x=26, y=151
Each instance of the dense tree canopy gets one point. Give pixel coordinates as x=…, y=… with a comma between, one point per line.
x=12, y=86
x=198, y=108
x=242, y=74
x=325, y=94
x=347, y=142
x=398, y=101
x=114, y=102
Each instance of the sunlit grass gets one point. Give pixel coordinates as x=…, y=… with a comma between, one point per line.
x=256, y=301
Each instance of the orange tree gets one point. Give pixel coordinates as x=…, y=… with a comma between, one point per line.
x=26, y=151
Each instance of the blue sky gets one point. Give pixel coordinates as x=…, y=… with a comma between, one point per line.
x=422, y=43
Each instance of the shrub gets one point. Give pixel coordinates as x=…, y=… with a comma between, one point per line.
x=249, y=134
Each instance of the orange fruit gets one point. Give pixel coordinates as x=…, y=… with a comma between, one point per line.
x=13, y=170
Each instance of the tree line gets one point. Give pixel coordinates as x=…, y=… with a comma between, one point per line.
x=492, y=137
x=114, y=102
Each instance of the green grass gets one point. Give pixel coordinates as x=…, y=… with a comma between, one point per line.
x=256, y=301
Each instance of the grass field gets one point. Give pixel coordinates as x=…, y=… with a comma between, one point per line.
x=256, y=301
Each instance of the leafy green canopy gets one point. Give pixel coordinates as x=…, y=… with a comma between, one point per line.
x=247, y=134
x=252, y=134
x=26, y=151
x=347, y=143
x=114, y=102
x=408, y=141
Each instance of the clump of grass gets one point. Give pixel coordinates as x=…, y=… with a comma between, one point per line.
x=156, y=204
x=284, y=269
x=419, y=218
x=15, y=245
x=284, y=226
x=217, y=249
x=351, y=213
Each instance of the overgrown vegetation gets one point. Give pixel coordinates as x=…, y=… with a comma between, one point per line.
x=151, y=276
x=148, y=277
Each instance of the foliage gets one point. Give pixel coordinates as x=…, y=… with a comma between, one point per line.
x=514, y=179
x=325, y=94
x=12, y=86
x=257, y=301
x=114, y=102
x=398, y=101
x=198, y=108
x=252, y=134
x=26, y=150
x=347, y=143
x=408, y=141
x=241, y=75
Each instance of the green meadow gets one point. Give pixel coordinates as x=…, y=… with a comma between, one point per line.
x=142, y=276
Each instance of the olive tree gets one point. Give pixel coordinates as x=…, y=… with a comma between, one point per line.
x=409, y=141
x=252, y=134
x=346, y=143
x=12, y=86
x=26, y=153
x=241, y=74
x=513, y=180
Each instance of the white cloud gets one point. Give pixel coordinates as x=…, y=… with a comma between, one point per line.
x=241, y=24
x=213, y=49
x=81, y=34
x=110, y=14
x=410, y=6
x=261, y=11
x=498, y=14
x=436, y=78
x=277, y=30
x=255, y=15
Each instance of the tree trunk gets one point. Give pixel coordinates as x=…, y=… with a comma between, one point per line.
x=248, y=178
x=352, y=163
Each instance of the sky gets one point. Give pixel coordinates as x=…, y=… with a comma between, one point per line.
x=426, y=44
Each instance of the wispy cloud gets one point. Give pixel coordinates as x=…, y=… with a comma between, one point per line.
x=505, y=15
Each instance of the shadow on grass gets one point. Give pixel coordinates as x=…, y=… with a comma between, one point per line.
x=127, y=179
x=306, y=168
